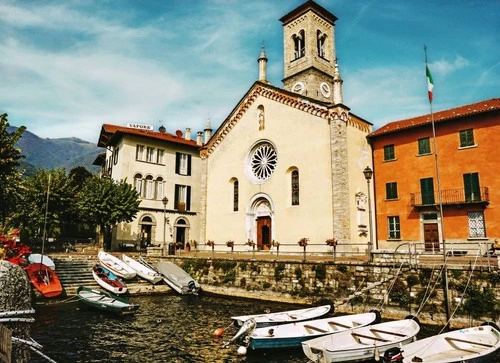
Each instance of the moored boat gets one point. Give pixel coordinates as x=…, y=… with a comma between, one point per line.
x=361, y=344
x=44, y=279
x=143, y=270
x=476, y=344
x=283, y=317
x=39, y=258
x=115, y=265
x=177, y=278
x=291, y=335
x=105, y=301
x=108, y=280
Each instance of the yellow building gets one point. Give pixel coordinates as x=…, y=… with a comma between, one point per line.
x=286, y=164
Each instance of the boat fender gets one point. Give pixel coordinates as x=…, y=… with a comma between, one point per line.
x=490, y=323
x=412, y=317
x=378, y=316
x=242, y=350
x=218, y=332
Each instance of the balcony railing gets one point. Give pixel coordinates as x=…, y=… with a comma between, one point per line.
x=451, y=197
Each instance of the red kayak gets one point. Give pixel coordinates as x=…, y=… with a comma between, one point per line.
x=44, y=279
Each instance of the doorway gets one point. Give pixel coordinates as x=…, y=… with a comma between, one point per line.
x=264, y=233
x=431, y=237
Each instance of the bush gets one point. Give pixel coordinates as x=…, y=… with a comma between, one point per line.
x=320, y=271
x=279, y=271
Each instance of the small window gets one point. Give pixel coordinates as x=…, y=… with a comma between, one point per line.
x=182, y=164
x=321, y=40
x=150, y=154
x=424, y=146
x=115, y=155
x=391, y=190
x=138, y=184
x=236, y=186
x=299, y=45
x=295, y=187
x=393, y=227
x=389, y=152
x=149, y=187
x=476, y=225
x=466, y=138
x=139, y=152
x=159, y=188
x=159, y=156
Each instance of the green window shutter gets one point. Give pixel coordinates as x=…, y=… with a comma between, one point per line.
x=471, y=187
x=427, y=190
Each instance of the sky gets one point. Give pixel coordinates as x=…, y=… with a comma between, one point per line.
x=67, y=67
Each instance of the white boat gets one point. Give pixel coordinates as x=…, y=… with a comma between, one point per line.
x=476, y=344
x=108, y=280
x=115, y=265
x=177, y=278
x=283, y=317
x=361, y=344
x=293, y=334
x=144, y=271
x=43, y=259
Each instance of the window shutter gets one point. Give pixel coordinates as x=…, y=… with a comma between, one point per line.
x=189, y=165
x=188, y=198
x=176, y=197
x=427, y=190
x=177, y=163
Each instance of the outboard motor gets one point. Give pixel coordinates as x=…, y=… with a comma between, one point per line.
x=192, y=286
x=246, y=329
x=393, y=355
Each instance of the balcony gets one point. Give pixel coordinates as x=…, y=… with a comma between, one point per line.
x=456, y=197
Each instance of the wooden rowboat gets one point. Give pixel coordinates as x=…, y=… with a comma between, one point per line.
x=476, y=344
x=144, y=271
x=283, y=317
x=293, y=334
x=108, y=280
x=105, y=301
x=115, y=265
x=44, y=279
x=361, y=344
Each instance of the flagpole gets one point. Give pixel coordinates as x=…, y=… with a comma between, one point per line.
x=441, y=225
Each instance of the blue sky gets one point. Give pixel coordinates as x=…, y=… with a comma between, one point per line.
x=67, y=67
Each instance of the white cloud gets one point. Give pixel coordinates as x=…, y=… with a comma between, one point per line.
x=445, y=67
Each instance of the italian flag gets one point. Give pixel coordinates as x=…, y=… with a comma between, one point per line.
x=430, y=82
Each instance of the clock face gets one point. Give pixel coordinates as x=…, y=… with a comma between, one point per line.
x=325, y=89
x=298, y=87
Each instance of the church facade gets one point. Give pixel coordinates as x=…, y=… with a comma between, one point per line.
x=285, y=165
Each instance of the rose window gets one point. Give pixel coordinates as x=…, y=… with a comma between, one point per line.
x=263, y=161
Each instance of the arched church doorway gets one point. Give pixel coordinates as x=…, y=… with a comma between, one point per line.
x=264, y=233
x=260, y=221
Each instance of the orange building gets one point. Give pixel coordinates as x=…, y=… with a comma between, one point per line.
x=459, y=155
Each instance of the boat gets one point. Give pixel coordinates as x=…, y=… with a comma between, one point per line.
x=475, y=344
x=105, y=301
x=46, y=260
x=144, y=271
x=115, y=265
x=361, y=344
x=177, y=278
x=108, y=280
x=283, y=317
x=44, y=279
x=291, y=335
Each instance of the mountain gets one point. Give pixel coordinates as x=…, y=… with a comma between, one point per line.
x=67, y=153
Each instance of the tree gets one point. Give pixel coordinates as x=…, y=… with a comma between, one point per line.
x=105, y=203
x=10, y=177
x=79, y=174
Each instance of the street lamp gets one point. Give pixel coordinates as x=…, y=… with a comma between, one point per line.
x=165, y=201
x=368, y=176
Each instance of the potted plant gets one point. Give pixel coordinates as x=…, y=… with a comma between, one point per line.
x=303, y=243
x=251, y=244
x=277, y=245
x=230, y=244
x=332, y=242
x=211, y=244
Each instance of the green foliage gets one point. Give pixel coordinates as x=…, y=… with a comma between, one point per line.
x=194, y=265
x=279, y=271
x=225, y=266
x=298, y=272
x=456, y=273
x=412, y=280
x=320, y=271
x=255, y=267
x=10, y=177
x=266, y=285
x=243, y=266
x=481, y=302
x=342, y=268
x=79, y=175
x=230, y=276
x=399, y=294
x=424, y=275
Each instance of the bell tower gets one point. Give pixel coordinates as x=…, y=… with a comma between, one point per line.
x=309, y=52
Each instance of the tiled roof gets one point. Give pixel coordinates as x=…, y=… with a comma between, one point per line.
x=440, y=116
x=108, y=131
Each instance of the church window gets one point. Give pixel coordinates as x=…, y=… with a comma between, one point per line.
x=299, y=45
x=236, y=192
x=262, y=121
x=295, y=187
x=261, y=162
x=321, y=40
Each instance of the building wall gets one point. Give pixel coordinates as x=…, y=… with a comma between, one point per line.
x=408, y=168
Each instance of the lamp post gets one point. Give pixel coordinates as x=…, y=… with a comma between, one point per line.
x=368, y=172
x=165, y=201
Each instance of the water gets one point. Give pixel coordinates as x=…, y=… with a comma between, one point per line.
x=167, y=328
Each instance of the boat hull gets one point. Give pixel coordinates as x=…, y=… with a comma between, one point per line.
x=142, y=270
x=44, y=279
x=105, y=301
x=108, y=281
x=115, y=265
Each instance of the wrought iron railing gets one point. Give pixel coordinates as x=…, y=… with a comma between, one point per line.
x=451, y=196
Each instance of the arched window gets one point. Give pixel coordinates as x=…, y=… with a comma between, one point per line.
x=321, y=40
x=236, y=191
x=138, y=183
x=299, y=44
x=295, y=187
x=159, y=188
x=149, y=187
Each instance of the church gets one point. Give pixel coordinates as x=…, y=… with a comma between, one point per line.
x=284, y=169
